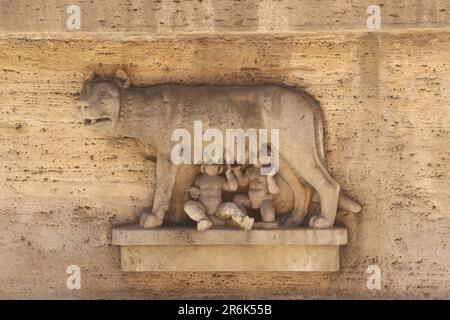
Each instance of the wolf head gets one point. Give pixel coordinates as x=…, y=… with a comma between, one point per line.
x=99, y=102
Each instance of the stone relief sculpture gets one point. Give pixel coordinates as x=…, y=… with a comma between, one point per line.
x=151, y=114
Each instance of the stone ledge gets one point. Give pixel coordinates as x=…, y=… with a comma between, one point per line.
x=136, y=235
x=183, y=249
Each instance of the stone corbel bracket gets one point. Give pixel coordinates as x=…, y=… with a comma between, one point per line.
x=183, y=249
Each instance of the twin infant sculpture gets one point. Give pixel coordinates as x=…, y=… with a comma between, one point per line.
x=151, y=114
x=207, y=207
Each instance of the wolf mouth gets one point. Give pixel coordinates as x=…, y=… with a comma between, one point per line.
x=90, y=122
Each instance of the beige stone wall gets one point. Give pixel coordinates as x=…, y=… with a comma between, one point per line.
x=385, y=97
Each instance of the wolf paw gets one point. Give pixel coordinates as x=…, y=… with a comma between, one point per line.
x=320, y=222
x=149, y=220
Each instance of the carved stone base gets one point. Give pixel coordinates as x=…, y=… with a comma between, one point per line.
x=183, y=249
x=266, y=225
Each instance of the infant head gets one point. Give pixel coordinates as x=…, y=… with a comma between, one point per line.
x=211, y=169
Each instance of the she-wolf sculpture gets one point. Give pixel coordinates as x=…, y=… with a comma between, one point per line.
x=151, y=114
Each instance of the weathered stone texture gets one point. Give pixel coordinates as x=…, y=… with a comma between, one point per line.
x=385, y=99
x=166, y=16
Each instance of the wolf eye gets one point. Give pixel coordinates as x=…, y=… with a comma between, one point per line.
x=104, y=94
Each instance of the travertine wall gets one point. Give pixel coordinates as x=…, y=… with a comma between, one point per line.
x=385, y=97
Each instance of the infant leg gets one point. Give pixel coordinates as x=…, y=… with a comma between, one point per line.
x=231, y=210
x=267, y=211
x=197, y=212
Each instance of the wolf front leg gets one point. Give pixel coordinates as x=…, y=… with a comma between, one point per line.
x=166, y=173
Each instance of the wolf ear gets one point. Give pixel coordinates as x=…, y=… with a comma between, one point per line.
x=122, y=79
x=90, y=76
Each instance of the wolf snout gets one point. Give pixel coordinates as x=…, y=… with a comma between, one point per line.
x=81, y=109
x=81, y=106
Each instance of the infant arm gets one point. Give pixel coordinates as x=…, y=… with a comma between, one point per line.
x=194, y=191
x=231, y=183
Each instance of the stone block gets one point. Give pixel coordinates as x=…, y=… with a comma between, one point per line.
x=184, y=249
